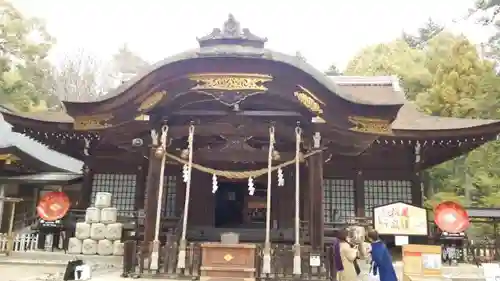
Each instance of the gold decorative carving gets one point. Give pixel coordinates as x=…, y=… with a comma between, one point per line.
x=151, y=101
x=92, y=122
x=142, y=117
x=309, y=100
x=230, y=81
x=228, y=257
x=370, y=125
x=8, y=158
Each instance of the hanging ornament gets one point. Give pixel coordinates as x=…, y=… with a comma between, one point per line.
x=281, y=179
x=185, y=173
x=251, y=187
x=214, y=184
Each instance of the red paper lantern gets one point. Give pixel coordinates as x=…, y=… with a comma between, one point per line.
x=451, y=217
x=53, y=206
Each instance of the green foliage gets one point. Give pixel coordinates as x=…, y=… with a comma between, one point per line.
x=23, y=66
x=393, y=58
x=457, y=72
x=446, y=77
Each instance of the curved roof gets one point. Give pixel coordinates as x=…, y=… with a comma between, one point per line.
x=234, y=42
x=380, y=92
x=410, y=122
x=21, y=144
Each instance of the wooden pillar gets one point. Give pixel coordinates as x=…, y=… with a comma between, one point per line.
x=359, y=194
x=88, y=176
x=2, y=203
x=140, y=191
x=316, y=216
x=152, y=182
x=417, y=187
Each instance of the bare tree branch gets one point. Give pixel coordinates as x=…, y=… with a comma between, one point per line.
x=80, y=77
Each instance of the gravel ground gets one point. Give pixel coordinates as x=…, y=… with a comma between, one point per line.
x=13, y=272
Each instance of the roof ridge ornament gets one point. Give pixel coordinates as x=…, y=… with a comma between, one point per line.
x=232, y=34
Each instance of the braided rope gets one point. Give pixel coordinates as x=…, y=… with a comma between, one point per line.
x=238, y=174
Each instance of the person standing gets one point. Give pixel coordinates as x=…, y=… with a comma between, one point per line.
x=381, y=258
x=348, y=256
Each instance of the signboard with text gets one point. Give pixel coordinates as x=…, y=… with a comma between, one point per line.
x=400, y=219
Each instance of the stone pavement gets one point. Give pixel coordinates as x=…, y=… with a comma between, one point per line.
x=49, y=266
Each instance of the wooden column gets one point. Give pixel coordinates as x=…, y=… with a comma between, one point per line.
x=140, y=191
x=152, y=182
x=316, y=217
x=417, y=187
x=88, y=176
x=359, y=194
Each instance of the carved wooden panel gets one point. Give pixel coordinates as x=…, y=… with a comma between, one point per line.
x=380, y=192
x=338, y=200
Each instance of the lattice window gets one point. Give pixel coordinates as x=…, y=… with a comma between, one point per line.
x=381, y=192
x=168, y=208
x=170, y=192
x=122, y=186
x=338, y=200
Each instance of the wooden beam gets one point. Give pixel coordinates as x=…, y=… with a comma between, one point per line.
x=252, y=113
x=238, y=156
x=227, y=129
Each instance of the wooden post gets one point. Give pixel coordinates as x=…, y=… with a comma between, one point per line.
x=316, y=216
x=2, y=204
x=10, y=235
x=10, y=243
x=359, y=194
x=88, y=177
x=152, y=182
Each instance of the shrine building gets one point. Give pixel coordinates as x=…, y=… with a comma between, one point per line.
x=234, y=122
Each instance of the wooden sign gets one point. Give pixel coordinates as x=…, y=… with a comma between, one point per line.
x=400, y=219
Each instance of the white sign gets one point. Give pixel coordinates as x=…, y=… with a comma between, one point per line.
x=314, y=260
x=401, y=240
x=431, y=261
x=400, y=219
x=82, y=272
x=491, y=271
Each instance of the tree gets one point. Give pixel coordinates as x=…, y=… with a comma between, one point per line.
x=80, y=77
x=333, y=71
x=393, y=58
x=424, y=34
x=457, y=70
x=126, y=64
x=24, y=46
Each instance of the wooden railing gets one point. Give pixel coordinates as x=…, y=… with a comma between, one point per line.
x=137, y=262
x=20, y=242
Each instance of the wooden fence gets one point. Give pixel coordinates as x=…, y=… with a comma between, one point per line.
x=137, y=262
x=21, y=242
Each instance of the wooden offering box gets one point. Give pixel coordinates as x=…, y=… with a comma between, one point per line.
x=421, y=262
x=224, y=261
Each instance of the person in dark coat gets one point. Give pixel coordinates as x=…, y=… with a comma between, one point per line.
x=381, y=258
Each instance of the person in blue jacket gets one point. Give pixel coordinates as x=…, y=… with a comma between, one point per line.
x=381, y=258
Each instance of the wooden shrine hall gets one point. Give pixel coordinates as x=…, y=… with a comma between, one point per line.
x=251, y=139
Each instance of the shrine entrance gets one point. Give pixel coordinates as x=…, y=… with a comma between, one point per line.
x=230, y=204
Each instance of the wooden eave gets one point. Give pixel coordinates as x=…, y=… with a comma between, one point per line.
x=414, y=124
x=44, y=121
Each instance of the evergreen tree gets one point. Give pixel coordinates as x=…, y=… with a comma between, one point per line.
x=24, y=46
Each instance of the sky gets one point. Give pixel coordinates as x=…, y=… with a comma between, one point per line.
x=325, y=32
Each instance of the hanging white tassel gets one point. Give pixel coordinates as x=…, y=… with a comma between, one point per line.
x=215, y=185
x=281, y=178
x=251, y=186
x=185, y=173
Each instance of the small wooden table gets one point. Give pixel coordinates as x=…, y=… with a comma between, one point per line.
x=224, y=261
